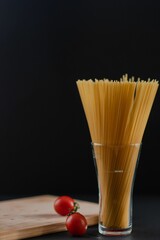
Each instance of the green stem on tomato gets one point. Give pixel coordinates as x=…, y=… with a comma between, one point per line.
x=75, y=209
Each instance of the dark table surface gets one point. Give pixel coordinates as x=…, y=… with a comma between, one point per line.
x=146, y=221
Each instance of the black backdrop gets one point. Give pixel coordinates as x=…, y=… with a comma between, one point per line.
x=45, y=46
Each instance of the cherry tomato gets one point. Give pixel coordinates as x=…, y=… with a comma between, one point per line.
x=76, y=224
x=63, y=205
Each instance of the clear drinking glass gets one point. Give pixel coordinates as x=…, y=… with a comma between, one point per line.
x=116, y=168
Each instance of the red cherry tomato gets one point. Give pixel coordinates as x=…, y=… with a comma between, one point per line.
x=76, y=224
x=63, y=205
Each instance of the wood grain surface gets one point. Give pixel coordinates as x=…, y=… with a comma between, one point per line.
x=35, y=216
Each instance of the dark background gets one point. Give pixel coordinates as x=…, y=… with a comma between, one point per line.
x=45, y=46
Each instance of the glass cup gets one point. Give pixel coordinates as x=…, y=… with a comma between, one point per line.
x=116, y=168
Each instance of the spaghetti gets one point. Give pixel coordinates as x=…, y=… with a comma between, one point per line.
x=117, y=113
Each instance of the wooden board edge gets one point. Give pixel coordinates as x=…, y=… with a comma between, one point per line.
x=42, y=230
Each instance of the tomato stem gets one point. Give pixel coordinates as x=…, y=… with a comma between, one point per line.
x=76, y=207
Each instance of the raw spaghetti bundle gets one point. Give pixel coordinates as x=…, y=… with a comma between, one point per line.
x=117, y=113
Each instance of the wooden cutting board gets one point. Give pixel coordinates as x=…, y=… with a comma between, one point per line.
x=35, y=216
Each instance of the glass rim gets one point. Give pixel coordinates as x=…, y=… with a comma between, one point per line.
x=116, y=145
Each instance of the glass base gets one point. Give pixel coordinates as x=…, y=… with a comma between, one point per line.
x=114, y=232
